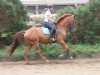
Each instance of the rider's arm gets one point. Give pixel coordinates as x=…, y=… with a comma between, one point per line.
x=50, y=19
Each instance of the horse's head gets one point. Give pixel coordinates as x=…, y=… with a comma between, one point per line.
x=67, y=19
x=72, y=23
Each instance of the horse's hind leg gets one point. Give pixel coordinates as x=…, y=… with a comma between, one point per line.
x=27, y=52
x=37, y=51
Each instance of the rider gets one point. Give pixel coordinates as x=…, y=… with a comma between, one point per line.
x=48, y=22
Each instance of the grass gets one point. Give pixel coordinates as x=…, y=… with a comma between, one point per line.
x=53, y=51
x=86, y=50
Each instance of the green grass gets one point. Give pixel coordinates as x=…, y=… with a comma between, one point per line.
x=85, y=50
x=52, y=52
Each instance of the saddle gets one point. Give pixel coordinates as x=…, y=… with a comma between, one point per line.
x=46, y=31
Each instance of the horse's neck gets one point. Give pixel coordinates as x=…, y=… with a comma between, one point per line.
x=62, y=26
x=62, y=30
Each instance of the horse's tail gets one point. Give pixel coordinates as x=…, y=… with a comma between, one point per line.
x=16, y=40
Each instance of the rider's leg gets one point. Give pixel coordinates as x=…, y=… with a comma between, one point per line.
x=51, y=28
x=53, y=34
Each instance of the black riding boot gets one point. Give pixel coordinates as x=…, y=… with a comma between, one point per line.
x=52, y=34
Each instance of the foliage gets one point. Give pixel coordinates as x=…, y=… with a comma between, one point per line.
x=52, y=52
x=65, y=10
x=12, y=18
x=88, y=21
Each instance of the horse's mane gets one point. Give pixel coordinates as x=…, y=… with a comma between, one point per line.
x=61, y=18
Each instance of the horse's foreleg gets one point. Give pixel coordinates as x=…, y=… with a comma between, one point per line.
x=66, y=50
x=64, y=45
x=26, y=53
x=37, y=51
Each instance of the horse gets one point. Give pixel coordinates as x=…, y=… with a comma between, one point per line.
x=33, y=36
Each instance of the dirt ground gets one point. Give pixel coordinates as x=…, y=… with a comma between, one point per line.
x=54, y=67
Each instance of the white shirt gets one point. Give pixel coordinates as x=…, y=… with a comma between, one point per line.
x=48, y=12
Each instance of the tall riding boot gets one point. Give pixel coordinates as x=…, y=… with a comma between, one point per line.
x=52, y=35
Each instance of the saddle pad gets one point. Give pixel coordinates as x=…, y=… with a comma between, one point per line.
x=45, y=30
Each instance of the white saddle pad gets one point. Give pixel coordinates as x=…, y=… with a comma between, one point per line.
x=45, y=30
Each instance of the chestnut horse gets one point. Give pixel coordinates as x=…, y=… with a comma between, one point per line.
x=34, y=36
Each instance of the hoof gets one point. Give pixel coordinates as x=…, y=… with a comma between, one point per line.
x=71, y=58
x=27, y=63
x=62, y=55
x=47, y=61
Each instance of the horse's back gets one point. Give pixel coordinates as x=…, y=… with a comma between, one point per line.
x=36, y=34
x=34, y=31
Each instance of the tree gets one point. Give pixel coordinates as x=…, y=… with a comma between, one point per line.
x=88, y=21
x=12, y=18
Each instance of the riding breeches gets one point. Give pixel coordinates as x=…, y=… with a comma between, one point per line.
x=51, y=27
